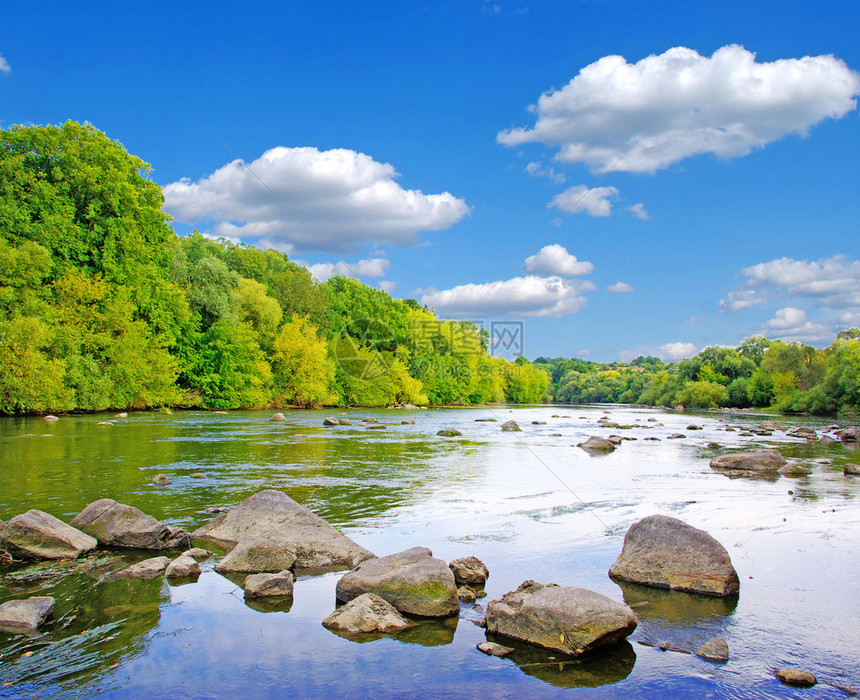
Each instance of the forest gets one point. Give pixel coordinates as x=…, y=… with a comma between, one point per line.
x=103, y=306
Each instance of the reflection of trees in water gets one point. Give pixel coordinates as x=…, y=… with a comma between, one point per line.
x=97, y=622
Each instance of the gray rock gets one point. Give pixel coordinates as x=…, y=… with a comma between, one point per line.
x=511, y=425
x=449, y=432
x=407, y=422
x=466, y=594
x=269, y=585
x=750, y=460
x=412, y=581
x=851, y=470
x=796, y=677
x=122, y=414
x=182, y=567
x=493, y=649
x=39, y=535
x=676, y=436
x=596, y=444
x=615, y=439
x=161, y=480
x=572, y=620
x=278, y=418
x=254, y=554
x=330, y=421
x=665, y=552
x=148, y=568
x=198, y=553
x=118, y=525
x=849, y=435
x=367, y=614
x=470, y=571
x=275, y=516
x=25, y=615
x=794, y=470
x=715, y=649
x=50, y=419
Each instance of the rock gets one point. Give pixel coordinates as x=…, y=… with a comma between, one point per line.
x=39, y=535
x=198, y=553
x=274, y=515
x=572, y=620
x=796, y=677
x=609, y=424
x=596, y=444
x=105, y=423
x=466, y=594
x=803, y=432
x=148, y=568
x=367, y=614
x=198, y=475
x=449, y=432
x=511, y=425
x=407, y=422
x=794, y=470
x=715, y=649
x=214, y=510
x=161, y=480
x=493, y=649
x=412, y=581
x=652, y=420
x=694, y=427
x=278, y=418
x=538, y=422
x=615, y=439
x=750, y=460
x=676, y=436
x=344, y=421
x=769, y=425
x=851, y=470
x=253, y=555
x=665, y=552
x=50, y=419
x=25, y=615
x=849, y=435
x=679, y=407
x=330, y=421
x=182, y=567
x=269, y=585
x=374, y=427
x=123, y=414
x=118, y=525
x=486, y=420
x=470, y=571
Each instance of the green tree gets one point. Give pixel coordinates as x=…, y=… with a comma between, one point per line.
x=302, y=371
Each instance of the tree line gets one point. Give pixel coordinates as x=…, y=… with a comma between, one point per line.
x=103, y=306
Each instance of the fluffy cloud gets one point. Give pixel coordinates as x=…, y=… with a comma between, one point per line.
x=788, y=317
x=529, y=296
x=579, y=198
x=304, y=199
x=639, y=211
x=387, y=286
x=555, y=260
x=4, y=65
x=619, y=288
x=537, y=169
x=792, y=324
x=644, y=116
x=694, y=319
x=672, y=352
x=370, y=267
x=742, y=299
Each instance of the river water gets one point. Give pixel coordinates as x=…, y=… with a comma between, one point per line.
x=531, y=505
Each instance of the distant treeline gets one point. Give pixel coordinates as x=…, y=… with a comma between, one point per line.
x=103, y=306
x=759, y=373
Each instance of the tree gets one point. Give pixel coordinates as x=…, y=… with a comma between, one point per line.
x=302, y=370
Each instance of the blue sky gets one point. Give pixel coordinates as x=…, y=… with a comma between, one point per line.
x=624, y=177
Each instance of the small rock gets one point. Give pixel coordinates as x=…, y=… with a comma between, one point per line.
x=161, y=480
x=794, y=470
x=367, y=614
x=851, y=470
x=50, y=419
x=213, y=510
x=182, y=567
x=407, y=422
x=481, y=594
x=122, y=415
x=198, y=475
x=596, y=444
x=466, y=594
x=269, y=585
x=148, y=568
x=715, y=649
x=278, y=418
x=198, y=553
x=106, y=423
x=344, y=421
x=25, y=615
x=511, y=425
x=449, y=432
x=470, y=571
x=615, y=439
x=750, y=460
x=375, y=427
x=493, y=649
x=331, y=421
x=694, y=427
x=676, y=436
x=254, y=554
x=847, y=689
x=538, y=422
x=796, y=677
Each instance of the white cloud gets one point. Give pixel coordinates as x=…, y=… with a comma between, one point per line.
x=345, y=198
x=832, y=282
x=644, y=116
x=619, y=288
x=788, y=317
x=694, y=319
x=370, y=267
x=672, y=352
x=555, y=260
x=639, y=211
x=848, y=320
x=792, y=324
x=537, y=169
x=387, y=286
x=529, y=296
x=583, y=353
x=4, y=65
x=742, y=299
x=579, y=198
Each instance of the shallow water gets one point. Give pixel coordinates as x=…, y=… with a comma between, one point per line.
x=530, y=505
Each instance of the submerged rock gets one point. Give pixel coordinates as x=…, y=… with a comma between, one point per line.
x=665, y=552
x=796, y=677
x=275, y=516
x=39, y=535
x=572, y=620
x=715, y=649
x=266, y=585
x=470, y=571
x=764, y=460
x=366, y=614
x=148, y=568
x=161, y=480
x=253, y=555
x=18, y=616
x=118, y=525
x=412, y=581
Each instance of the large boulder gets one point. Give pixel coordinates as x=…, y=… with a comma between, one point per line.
x=750, y=460
x=367, y=614
x=278, y=585
x=412, y=581
x=665, y=552
x=254, y=555
x=571, y=620
x=470, y=571
x=118, y=525
x=275, y=516
x=25, y=615
x=39, y=535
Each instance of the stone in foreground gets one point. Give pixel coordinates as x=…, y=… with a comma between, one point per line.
x=118, y=525
x=367, y=614
x=715, y=649
x=493, y=649
x=571, y=620
x=412, y=581
x=182, y=567
x=750, y=460
x=253, y=555
x=269, y=585
x=470, y=571
x=665, y=552
x=39, y=535
x=275, y=516
x=25, y=615
x=148, y=568
x=796, y=677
